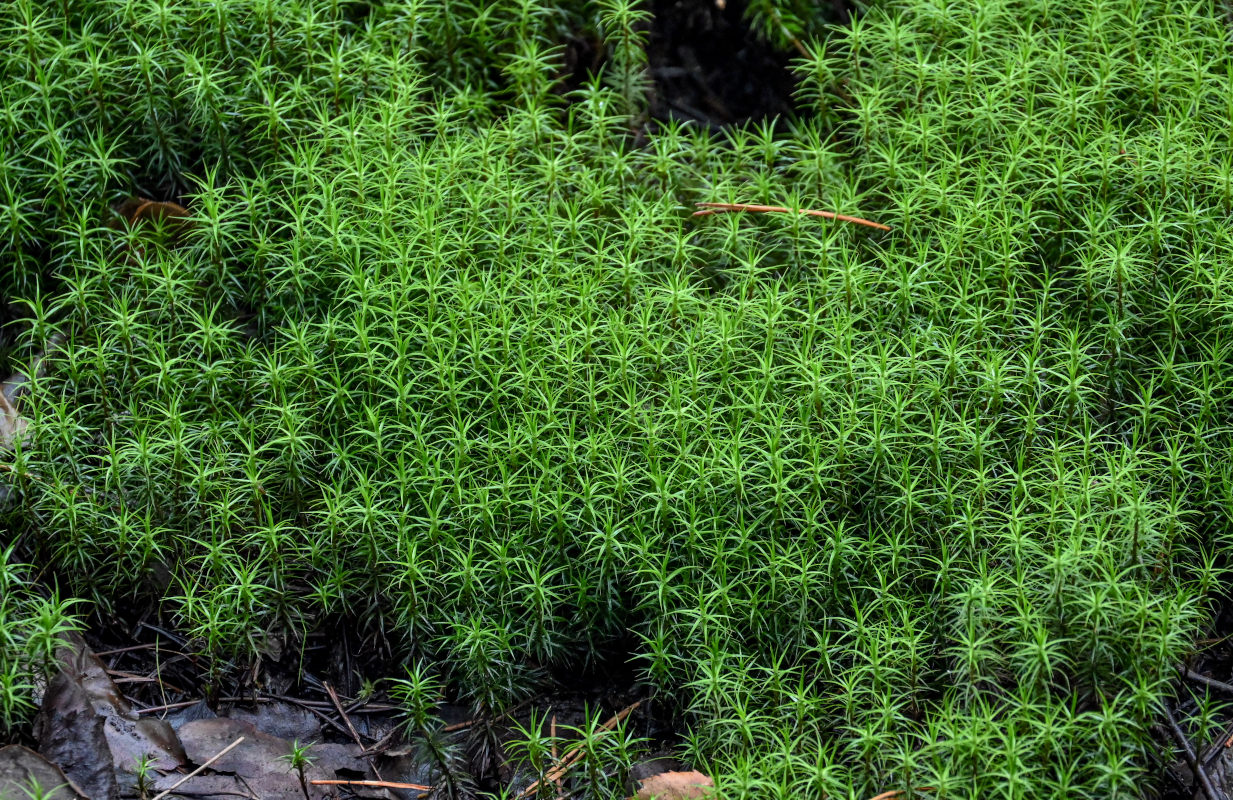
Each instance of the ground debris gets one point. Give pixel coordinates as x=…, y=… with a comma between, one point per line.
x=22, y=770
x=89, y=729
x=260, y=764
x=675, y=786
x=140, y=209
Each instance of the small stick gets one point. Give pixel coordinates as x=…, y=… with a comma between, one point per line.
x=577, y=790
x=458, y=726
x=199, y=770
x=120, y=676
x=375, y=784
x=723, y=208
x=1206, y=681
x=350, y=728
x=310, y=706
x=893, y=793
x=575, y=752
x=120, y=650
x=1205, y=783
x=365, y=707
x=167, y=707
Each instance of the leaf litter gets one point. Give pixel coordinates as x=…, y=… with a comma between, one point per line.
x=89, y=730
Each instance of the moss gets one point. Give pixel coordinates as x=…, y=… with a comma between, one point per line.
x=444, y=351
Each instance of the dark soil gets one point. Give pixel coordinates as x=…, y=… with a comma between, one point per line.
x=707, y=65
x=710, y=68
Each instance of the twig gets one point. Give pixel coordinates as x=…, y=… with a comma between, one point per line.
x=723, y=208
x=199, y=770
x=120, y=650
x=365, y=707
x=1206, y=681
x=577, y=790
x=120, y=676
x=575, y=753
x=263, y=697
x=375, y=784
x=350, y=728
x=304, y=704
x=458, y=726
x=893, y=793
x=1205, y=783
x=167, y=707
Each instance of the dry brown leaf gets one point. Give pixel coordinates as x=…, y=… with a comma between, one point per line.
x=21, y=770
x=261, y=765
x=172, y=217
x=12, y=425
x=135, y=209
x=675, y=786
x=87, y=727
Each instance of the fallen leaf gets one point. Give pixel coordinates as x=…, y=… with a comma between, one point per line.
x=260, y=761
x=22, y=769
x=141, y=209
x=675, y=786
x=12, y=425
x=89, y=729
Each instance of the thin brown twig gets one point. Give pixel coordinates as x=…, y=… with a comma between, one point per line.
x=199, y=770
x=373, y=784
x=723, y=208
x=350, y=728
x=120, y=676
x=1205, y=782
x=577, y=790
x=168, y=707
x=130, y=649
x=1206, y=681
x=467, y=723
x=893, y=793
x=304, y=704
x=575, y=753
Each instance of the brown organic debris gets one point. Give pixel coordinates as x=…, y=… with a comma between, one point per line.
x=373, y=784
x=675, y=786
x=140, y=209
x=260, y=764
x=89, y=729
x=204, y=766
x=21, y=770
x=723, y=208
x=13, y=426
x=574, y=754
x=894, y=794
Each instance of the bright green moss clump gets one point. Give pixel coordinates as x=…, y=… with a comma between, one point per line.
x=938, y=507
